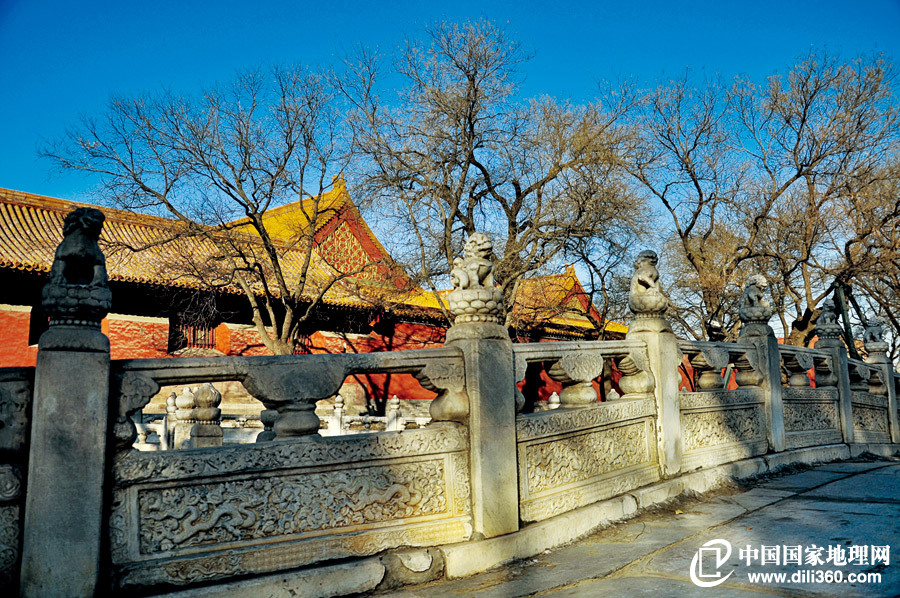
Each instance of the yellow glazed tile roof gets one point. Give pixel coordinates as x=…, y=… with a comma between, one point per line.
x=31, y=228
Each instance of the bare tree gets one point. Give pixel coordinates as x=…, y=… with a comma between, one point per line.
x=219, y=163
x=457, y=152
x=757, y=177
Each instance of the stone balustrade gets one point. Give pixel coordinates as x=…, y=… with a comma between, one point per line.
x=478, y=475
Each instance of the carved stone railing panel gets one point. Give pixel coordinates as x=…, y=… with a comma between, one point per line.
x=571, y=458
x=191, y=516
x=16, y=389
x=289, y=385
x=871, y=422
x=577, y=363
x=722, y=426
x=812, y=416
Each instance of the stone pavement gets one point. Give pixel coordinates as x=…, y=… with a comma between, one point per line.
x=839, y=505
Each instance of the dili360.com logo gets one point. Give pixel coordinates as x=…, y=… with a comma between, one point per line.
x=706, y=564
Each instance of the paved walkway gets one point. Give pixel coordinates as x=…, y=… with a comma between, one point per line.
x=837, y=507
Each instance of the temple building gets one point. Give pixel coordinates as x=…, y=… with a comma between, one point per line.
x=156, y=294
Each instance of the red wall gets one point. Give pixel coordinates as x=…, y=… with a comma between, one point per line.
x=137, y=338
x=14, y=349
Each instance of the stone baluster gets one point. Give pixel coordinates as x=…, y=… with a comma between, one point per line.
x=830, y=338
x=142, y=435
x=577, y=372
x=749, y=370
x=490, y=379
x=754, y=314
x=336, y=421
x=796, y=365
x=167, y=439
x=648, y=304
x=206, y=429
x=553, y=401
x=709, y=363
x=825, y=375
x=61, y=535
x=636, y=381
x=267, y=417
x=184, y=418
x=859, y=377
x=393, y=422
x=292, y=388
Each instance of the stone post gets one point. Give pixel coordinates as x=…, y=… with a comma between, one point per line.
x=69, y=423
x=831, y=340
x=337, y=417
x=754, y=313
x=184, y=415
x=392, y=422
x=206, y=429
x=490, y=385
x=877, y=349
x=167, y=440
x=197, y=418
x=648, y=304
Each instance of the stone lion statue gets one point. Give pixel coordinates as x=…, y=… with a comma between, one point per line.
x=829, y=313
x=646, y=296
x=874, y=332
x=78, y=259
x=646, y=276
x=754, y=306
x=474, y=270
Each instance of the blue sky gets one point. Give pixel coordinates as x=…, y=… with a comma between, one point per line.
x=60, y=59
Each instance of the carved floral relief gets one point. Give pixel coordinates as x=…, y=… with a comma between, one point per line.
x=870, y=420
x=580, y=457
x=810, y=416
x=710, y=428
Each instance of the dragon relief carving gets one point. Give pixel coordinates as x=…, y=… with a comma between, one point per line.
x=580, y=457
x=711, y=428
x=251, y=509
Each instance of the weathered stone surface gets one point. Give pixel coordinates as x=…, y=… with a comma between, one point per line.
x=405, y=567
x=61, y=546
x=15, y=401
x=286, y=504
x=564, y=472
x=321, y=582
